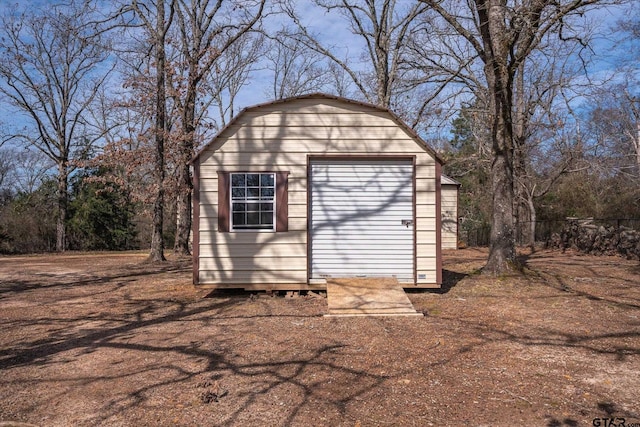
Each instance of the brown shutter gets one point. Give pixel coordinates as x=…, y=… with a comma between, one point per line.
x=282, y=201
x=223, y=202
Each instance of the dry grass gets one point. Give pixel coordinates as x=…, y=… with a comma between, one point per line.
x=101, y=339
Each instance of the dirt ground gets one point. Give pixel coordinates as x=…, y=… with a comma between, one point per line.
x=101, y=339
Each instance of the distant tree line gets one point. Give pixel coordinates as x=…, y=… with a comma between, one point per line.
x=587, y=168
x=100, y=217
x=108, y=101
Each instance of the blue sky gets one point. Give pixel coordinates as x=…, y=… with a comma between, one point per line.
x=335, y=32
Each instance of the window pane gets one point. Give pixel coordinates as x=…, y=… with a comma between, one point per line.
x=237, y=180
x=253, y=180
x=267, y=218
x=238, y=219
x=252, y=196
x=253, y=218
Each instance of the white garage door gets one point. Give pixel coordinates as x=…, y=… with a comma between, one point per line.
x=362, y=219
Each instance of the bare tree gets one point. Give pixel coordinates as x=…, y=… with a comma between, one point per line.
x=26, y=169
x=52, y=62
x=206, y=31
x=383, y=27
x=614, y=127
x=545, y=142
x=296, y=69
x=156, y=21
x=631, y=105
x=232, y=72
x=468, y=160
x=503, y=34
x=628, y=45
x=6, y=168
x=546, y=163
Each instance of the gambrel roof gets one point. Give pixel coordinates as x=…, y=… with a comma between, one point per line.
x=321, y=96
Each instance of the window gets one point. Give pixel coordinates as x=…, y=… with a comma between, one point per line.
x=280, y=203
x=253, y=201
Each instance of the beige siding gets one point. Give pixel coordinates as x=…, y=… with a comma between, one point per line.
x=281, y=137
x=449, y=209
x=267, y=240
x=265, y=277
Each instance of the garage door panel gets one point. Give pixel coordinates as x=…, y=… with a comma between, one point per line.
x=365, y=219
x=348, y=221
x=376, y=180
x=370, y=255
x=369, y=184
x=362, y=269
x=372, y=263
x=384, y=240
x=367, y=236
x=357, y=213
x=364, y=247
x=372, y=215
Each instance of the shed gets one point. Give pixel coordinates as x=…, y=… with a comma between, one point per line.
x=296, y=191
x=449, y=206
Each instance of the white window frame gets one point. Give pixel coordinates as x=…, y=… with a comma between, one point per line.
x=246, y=200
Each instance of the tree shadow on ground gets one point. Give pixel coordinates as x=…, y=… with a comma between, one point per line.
x=449, y=280
x=569, y=422
x=216, y=365
x=217, y=361
x=44, y=280
x=611, y=410
x=156, y=328
x=568, y=283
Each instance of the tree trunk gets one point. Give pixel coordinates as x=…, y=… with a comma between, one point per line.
x=62, y=207
x=157, y=242
x=636, y=142
x=502, y=250
x=185, y=182
x=183, y=211
x=502, y=253
x=532, y=223
x=521, y=194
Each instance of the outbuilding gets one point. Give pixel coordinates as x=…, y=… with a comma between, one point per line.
x=449, y=195
x=294, y=192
